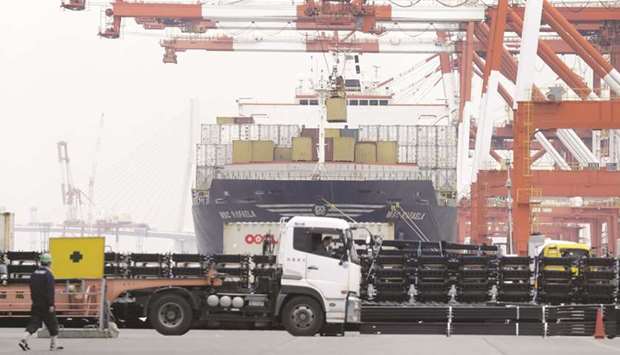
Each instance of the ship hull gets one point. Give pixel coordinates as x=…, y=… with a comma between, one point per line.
x=410, y=205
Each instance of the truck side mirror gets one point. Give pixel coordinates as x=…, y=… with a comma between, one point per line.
x=343, y=258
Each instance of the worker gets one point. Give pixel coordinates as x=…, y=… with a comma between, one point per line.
x=324, y=248
x=43, y=309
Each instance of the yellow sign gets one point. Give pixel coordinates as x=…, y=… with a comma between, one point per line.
x=77, y=258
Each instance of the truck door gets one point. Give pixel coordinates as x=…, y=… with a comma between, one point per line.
x=324, y=248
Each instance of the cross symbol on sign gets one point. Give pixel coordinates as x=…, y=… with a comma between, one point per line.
x=76, y=257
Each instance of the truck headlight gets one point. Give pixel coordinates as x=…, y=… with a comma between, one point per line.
x=354, y=309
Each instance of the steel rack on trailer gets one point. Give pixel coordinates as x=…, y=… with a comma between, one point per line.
x=514, y=279
x=598, y=279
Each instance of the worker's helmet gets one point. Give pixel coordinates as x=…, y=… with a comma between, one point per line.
x=45, y=259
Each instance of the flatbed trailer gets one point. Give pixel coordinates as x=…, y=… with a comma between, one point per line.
x=406, y=287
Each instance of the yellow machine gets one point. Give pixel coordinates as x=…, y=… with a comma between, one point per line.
x=563, y=249
x=560, y=249
x=77, y=257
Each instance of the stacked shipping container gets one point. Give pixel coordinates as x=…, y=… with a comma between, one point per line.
x=430, y=151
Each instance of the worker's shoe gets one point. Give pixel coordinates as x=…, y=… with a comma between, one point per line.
x=23, y=344
x=55, y=347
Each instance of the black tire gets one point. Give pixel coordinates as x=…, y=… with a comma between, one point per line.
x=171, y=314
x=303, y=316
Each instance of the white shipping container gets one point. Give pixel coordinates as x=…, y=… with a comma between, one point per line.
x=412, y=135
x=402, y=135
x=221, y=154
x=263, y=132
x=245, y=132
x=442, y=134
x=412, y=156
x=370, y=133
x=247, y=237
x=254, y=132
x=422, y=135
x=210, y=134
x=451, y=178
x=274, y=133
x=384, y=134
x=225, y=137
x=392, y=133
x=427, y=156
x=402, y=154
x=209, y=155
x=233, y=133
x=451, y=138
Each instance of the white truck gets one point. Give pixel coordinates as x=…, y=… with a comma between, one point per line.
x=313, y=286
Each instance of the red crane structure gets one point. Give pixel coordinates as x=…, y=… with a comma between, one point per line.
x=499, y=43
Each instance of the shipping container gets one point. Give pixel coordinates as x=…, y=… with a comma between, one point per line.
x=332, y=132
x=210, y=134
x=244, y=120
x=366, y=153
x=282, y=154
x=402, y=135
x=262, y=151
x=344, y=149
x=229, y=133
x=224, y=120
x=412, y=135
x=246, y=238
x=7, y=231
x=221, y=155
x=402, y=154
x=427, y=135
x=383, y=133
x=329, y=149
x=392, y=133
x=302, y=149
x=427, y=156
x=245, y=132
x=336, y=109
x=387, y=152
x=350, y=132
x=412, y=154
x=369, y=133
x=241, y=152
x=447, y=136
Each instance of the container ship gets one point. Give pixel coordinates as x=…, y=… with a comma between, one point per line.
x=266, y=164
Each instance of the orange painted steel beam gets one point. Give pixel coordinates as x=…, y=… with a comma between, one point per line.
x=509, y=63
x=573, y=38
x=575, y=114
x=496, y=42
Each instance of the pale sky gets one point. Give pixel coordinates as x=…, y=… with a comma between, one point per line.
x=57, y=78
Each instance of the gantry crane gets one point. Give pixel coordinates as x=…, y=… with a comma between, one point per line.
x=470, y=38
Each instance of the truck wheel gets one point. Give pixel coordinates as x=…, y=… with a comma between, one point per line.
x=303, y=316
x=171, y=315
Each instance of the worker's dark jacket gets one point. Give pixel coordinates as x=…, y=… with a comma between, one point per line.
x=42, y=288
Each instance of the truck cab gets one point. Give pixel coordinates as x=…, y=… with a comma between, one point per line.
x=321, y=275
x=314, y=287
